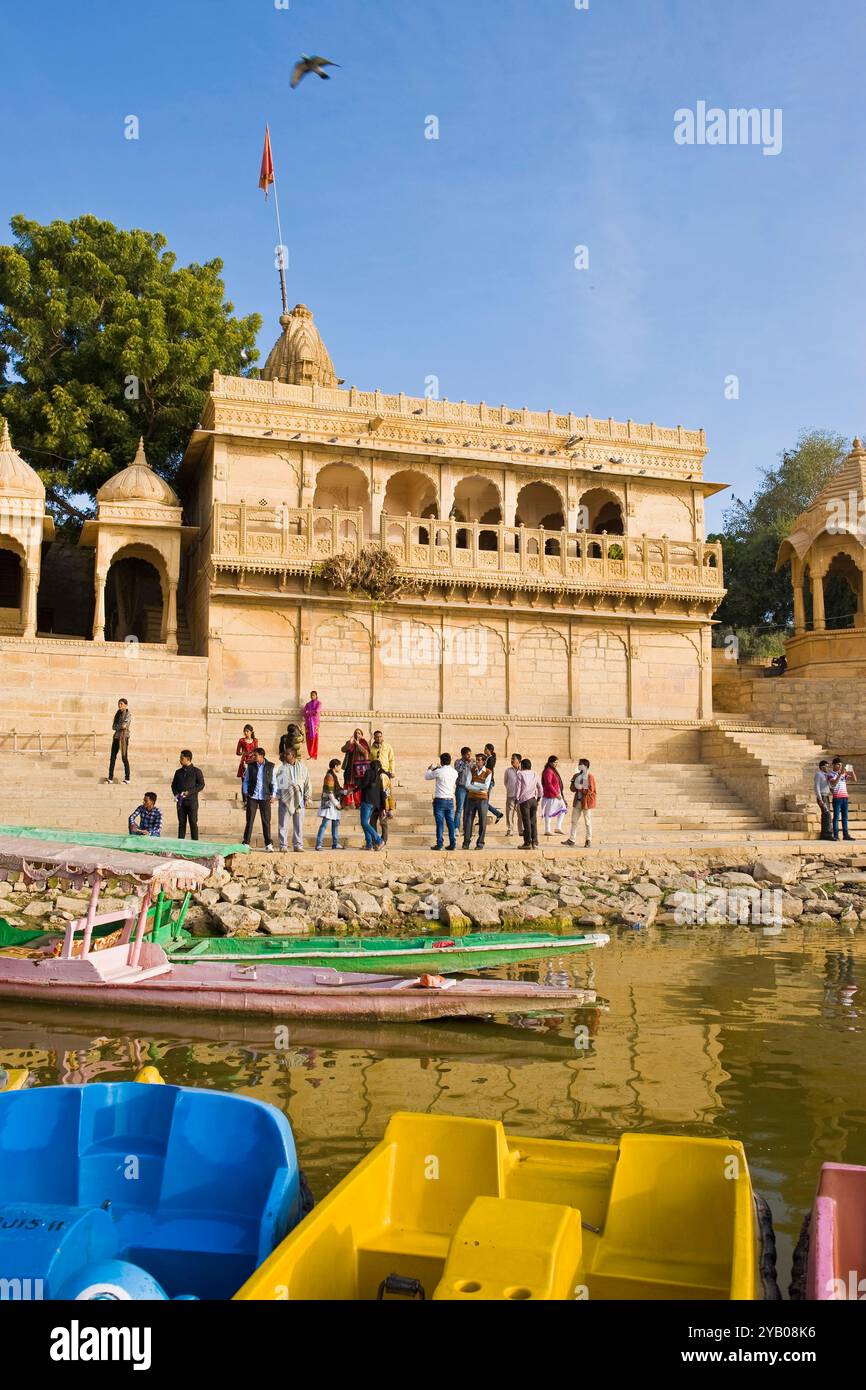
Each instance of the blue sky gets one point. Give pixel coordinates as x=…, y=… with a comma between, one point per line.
x=455, y=256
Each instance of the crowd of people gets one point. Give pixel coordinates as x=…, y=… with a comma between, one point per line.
x=363, y=779
x=462, y=798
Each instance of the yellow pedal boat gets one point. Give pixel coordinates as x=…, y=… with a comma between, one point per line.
x=454, y=1208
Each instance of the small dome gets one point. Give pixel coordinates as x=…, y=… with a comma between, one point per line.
x=138, y=483
x=17, y=478
x=299, y=357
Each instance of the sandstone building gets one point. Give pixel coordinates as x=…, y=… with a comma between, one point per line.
x=559, y=583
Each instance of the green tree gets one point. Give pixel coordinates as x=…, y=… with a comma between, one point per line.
x=753, y=530
x=103, y=339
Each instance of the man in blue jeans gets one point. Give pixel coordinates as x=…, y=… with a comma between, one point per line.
x=444, y=777
x=839, y=777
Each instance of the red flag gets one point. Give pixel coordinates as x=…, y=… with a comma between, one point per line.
x=266, y=177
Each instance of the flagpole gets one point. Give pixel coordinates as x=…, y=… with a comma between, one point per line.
x=281, y=263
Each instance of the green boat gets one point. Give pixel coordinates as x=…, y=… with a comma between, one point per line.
x=440, y=955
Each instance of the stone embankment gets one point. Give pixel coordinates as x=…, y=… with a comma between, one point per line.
x=275, y=895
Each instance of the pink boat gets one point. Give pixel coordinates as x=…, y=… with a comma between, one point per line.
x=834, y=1237
x=128, y=971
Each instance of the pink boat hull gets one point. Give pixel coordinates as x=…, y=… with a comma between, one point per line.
x=105, y=978
x=836, y=1267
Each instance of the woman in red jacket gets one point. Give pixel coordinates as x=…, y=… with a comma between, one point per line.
x=553, y=806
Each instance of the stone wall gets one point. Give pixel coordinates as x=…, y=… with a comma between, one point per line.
x=832, y=712
x=60, y=686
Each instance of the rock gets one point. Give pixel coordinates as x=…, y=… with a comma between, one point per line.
x=209, y=896
x=590, y=919
x=734, y=877
x=284, y=926
x=776, y=870
x=232, y=892
x=198, y=922
x=647, y=890
x=791, y=906
x=38, y=909
x=5, y=888
x=233, y=917
x=455, y=920
x=323, y=906
x=821, y=919
x=539, y=905
x=361, y=903
x=482, y=909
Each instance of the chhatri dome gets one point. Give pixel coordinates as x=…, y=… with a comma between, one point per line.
x=17, y=478
x=138, y=483
x=299, y=357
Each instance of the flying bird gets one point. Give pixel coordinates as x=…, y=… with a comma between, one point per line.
x=314, y=64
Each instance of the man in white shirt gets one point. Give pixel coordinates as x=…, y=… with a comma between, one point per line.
x=293, y=792
x=824, y=799
x=444, y=779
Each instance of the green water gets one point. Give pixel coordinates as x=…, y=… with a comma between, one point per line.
x=708, y=1031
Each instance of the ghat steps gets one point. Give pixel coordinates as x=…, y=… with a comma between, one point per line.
x=672, y=804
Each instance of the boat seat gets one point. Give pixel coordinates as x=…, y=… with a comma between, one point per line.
x=508, y=1249
x=668, y=1232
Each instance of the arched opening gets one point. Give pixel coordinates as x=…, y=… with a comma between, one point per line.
x=539, y=504
x=344, y=486
x=411, y=493
x=477, y=499
x=843, y=586
x=133, y=600
x=600, y=510
x=11, y=578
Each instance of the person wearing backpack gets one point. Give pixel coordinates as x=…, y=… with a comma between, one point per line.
x=585, y=795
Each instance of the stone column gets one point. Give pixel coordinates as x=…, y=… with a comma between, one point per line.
x=99, y=613
x=377, y=502
x=28, y=600
x=447, y=487
x=171, y=617
x=509, y=499
x=818, y=602
x=799, y=610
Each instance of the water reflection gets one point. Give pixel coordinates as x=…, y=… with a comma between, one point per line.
x=706, y=1031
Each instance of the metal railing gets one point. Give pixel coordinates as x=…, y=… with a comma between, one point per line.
x=19, y=742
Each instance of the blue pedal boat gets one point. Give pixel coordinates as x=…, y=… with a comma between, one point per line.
x=120, y=1190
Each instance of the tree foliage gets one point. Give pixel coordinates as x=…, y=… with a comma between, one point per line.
x=754, y=529
x=103, y=338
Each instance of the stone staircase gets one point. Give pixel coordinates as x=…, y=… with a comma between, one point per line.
x=773, y=770
x=675, y=805
x=153, y=629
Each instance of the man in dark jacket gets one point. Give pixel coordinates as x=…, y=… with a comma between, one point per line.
x=186, y=785
x=259, y=789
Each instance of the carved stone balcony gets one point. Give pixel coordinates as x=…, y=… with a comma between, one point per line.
x=293, y=540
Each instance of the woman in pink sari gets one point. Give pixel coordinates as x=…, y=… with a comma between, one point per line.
x=311, y=724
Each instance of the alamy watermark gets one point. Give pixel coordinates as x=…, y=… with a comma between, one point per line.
x=714, y=125
x=717, y=906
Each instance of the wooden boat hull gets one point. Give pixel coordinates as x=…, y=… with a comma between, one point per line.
x=283, y=992
x=388, y=955
x=836, y=1236
x=454, y=1209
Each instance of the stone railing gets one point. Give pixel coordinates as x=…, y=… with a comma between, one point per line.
x=467, y=413
x=246, y=537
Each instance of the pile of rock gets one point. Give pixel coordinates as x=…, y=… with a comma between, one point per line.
x=267, y=894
